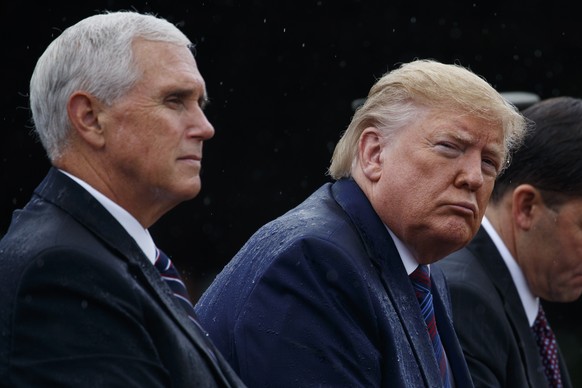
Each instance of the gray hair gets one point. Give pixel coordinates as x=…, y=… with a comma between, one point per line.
x=94, y=55
x=404, y=94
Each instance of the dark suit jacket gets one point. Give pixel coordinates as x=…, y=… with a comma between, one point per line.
x=320, y=298
x=490, y=319
x=81, y=306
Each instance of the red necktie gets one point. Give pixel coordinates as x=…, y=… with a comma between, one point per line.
x=548, y=349
x=421, y=283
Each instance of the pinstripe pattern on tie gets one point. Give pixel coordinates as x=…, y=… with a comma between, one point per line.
x=421, y=283
x=174, y=281
x=172, y=278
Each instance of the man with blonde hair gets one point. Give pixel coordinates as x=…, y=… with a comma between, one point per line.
x=528, y=249
x=322, y=296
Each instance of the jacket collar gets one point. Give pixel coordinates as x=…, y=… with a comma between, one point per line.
x=66, y=194
x=483, y=248
x=383, y=254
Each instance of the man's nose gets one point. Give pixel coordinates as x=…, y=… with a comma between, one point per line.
x=200, y=126
x=470, y=173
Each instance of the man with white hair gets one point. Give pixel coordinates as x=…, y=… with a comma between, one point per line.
x=86, y=297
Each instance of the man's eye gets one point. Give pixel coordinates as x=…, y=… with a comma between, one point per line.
x=489, y=162
x=446, y=146
x=174, y=101
x=491, y=166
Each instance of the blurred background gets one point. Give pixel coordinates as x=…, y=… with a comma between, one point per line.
x=282, y=77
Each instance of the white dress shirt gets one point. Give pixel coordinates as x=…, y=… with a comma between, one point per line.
x=410, y=263
x=529, y=301
x=141, y=235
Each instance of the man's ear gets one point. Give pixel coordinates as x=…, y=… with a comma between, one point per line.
x=370, y=148
x=527, y=202
x=83, y=110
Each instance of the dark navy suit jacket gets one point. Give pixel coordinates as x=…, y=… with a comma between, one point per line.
x=81, y=305
x=320, y=298
x=490, y=319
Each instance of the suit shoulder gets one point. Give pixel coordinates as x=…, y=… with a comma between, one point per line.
x=44, y=244
x=463, y=270
x=318, y=217
x=458, y=264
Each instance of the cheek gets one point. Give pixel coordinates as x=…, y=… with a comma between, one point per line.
x=483, y=198
x=409, y=197
x=560, y=254
x=568, y=253
x=485, y=191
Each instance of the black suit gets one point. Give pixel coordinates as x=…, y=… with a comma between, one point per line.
x=82, y=306
x=490, y=320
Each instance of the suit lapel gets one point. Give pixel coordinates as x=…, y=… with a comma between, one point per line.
x=446, y=330
x=488, y=256
x=66, y=194
x=385, y=258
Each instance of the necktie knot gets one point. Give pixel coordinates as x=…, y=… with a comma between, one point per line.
x=548, y=348
x=162, y=262
x=421, y=280
x=172, y=278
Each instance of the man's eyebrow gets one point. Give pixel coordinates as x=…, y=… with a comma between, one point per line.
x=463, y=136
x=467, y=137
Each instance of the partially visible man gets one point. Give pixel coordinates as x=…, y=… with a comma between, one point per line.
x=321, y=296
x=529, y=247
x=86, y=298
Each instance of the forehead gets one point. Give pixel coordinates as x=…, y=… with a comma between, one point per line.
x=162, y=62
x=465, y=127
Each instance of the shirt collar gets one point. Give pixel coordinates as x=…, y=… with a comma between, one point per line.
x=141, y=235
x=529, y=301
x=410, y=264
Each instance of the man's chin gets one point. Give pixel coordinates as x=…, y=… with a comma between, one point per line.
x=462, y=232
x=191, y=191
x=457, y=239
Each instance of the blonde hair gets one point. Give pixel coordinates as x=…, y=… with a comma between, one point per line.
x=400, y=96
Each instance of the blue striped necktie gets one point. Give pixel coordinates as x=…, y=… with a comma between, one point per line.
x=174, y=281
x=172, y=278
x=421, y=283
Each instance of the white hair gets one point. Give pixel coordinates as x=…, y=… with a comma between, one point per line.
x=94, y=55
